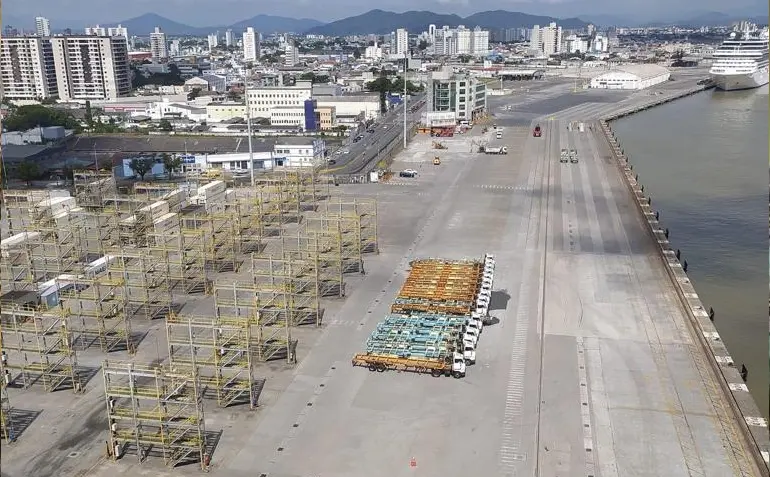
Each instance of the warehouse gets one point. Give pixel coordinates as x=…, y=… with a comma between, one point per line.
x=631, y=77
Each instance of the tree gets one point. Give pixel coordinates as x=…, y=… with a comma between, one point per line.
x=34, y=115
x=170, y=163
x=141, y=166
x=89, y=115
x=423, y=45
x=28, y=172
x=357, y=54
x=165, y=125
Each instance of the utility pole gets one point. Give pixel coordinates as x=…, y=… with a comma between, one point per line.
x=406, y=66
x=248, y=129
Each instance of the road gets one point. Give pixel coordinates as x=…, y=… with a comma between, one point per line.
x=388, y=129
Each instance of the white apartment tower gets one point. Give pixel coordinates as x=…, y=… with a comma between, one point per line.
x=27, y=68
x=432, y=33
x=229, y=38
x=213, y=41
x=97, y=30
x=292, y=54
x=535, y=41
x=445, y=43
x=479, y=42
x=42, y=26
x=91, y=67
x=463, y=38
x=402, y=42
x=158, y=45
x=250, y=45
x=551, y=39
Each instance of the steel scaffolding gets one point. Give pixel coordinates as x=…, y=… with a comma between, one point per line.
x=6, y=417
x=55, y=248
x=291, y=289
x=98, y=307
x=16, y=270
x=355, y=213
x=93, y=188
x=221, y=349
x=39, y=347
x=266, y=306
x=145, y=281
x=155, y=409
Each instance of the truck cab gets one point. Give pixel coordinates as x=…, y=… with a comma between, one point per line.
x=537, y=132
x=573, y=156
x=564, y=156
x=469, y=353
x=458, y=366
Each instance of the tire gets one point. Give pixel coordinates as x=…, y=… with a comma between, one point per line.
x=436, y=373
x=457, y=375
x=372, y=367
x=381, y=368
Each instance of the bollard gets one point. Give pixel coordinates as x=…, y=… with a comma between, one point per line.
x=657, y=216
x=678, y=254
x=711, y=313
x=744, y=372
x=665, y=232
x=684, y=266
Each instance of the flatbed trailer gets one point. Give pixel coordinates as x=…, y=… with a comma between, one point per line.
x=380, y=363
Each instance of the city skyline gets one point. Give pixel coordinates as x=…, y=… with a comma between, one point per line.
x=200, y=14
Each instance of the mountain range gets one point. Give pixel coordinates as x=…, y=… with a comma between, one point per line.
x=382, y=22
x=266, y=24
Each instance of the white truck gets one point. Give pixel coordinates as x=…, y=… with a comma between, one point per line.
x=496, y=150
x=469, y=353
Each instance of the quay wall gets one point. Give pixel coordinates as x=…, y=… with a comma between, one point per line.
x=730, y=377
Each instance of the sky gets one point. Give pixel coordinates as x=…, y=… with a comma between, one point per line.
x=78, y=13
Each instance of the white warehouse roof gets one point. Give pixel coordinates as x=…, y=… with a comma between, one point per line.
x=643, y=72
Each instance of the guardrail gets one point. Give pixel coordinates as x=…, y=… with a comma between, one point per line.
x=730, y=379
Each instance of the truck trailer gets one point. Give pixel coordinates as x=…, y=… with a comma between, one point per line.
x=453, y=365
x=496, y=150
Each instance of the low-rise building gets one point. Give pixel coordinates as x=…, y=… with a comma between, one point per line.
x=221, y=112
x=169, y=110
x=299, y=152
x=463, y=95
x=293, y=116
x=262, y=99
x=633, y=77
x=367, y=105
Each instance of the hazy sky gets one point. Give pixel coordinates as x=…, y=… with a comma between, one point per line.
x=76, y=13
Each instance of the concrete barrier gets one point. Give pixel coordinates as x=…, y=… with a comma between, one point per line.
x=742, y=407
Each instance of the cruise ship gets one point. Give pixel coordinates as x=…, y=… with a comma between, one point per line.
x=741, y=61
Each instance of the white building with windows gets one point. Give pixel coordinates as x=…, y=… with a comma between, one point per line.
x=229, y=41
x=97, y=30
x=299, y=152
x=547, y=39
x=250, y=45
x=27, y=68
x=262, y=99
x=633, y=77
x=91, y=67
x=42, y=26
x=158, y=45
x=292, y=54
x=479, y=42
x=213, y=40
x=463, y=95
x=401, y=42
x=289, y=116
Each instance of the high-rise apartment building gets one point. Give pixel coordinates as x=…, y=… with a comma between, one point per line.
x=445, y=43
x=479, y=42
x=213, y=41
x=42, y=26
x=158, y=45
x=27, y=68
x=463, y=36
x=229, y=38
x=401, y=42
x=91, y=67
x=292, y=54
x=97, y=30
x=250, y=45
x=547, y=39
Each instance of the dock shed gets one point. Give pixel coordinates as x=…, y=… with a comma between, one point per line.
x=632, y=77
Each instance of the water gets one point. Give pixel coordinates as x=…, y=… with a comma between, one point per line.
x=703, y=159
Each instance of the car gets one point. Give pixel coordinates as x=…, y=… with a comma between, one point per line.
x=573, y=156
x=408, y=173
x=564, y=156
x=331, y=162
x=345, y=151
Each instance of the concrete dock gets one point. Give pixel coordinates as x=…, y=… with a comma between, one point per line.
x=592, y=368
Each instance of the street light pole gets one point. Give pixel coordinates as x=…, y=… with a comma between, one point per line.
x=406, y=66
x=248, y=129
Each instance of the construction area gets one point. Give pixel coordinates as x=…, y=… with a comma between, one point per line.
x=182, y=296
x=436, y=321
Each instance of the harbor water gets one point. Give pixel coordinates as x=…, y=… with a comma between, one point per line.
x=703, y=160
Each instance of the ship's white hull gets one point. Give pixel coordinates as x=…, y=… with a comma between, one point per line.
x=732, y=82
